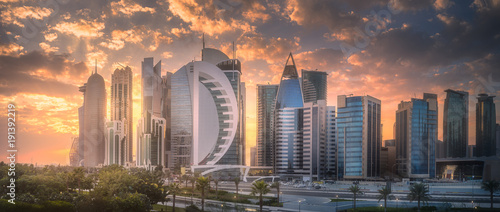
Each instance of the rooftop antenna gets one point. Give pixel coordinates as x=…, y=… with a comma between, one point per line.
x=203, y=40
x=233, y=62
x=96, y=65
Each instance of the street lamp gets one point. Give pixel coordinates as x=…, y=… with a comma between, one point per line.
x=299, y=204
x=336, y=202
x=397, y=204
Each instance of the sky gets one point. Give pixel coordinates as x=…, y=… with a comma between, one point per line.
x=393, y=50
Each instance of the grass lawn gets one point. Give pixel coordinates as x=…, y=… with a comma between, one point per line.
x=167, y=208
x=227, y=197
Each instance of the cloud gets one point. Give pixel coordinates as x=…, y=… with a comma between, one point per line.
x=167, y=55
x=442, y=4
x=47, y=48
x=129, y=8
x=38, y=73
x=16, y=15
x=272, y=50
x=81, y=28
x=411, y=5
x=256, y=13
x=10, y=49
x=141, y=35
x=50, y=36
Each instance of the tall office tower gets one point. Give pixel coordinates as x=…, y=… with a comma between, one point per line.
x=289, y=124
x=73, y=152
x=358, y=137
x=232, y=69
x=81, y=128
x=416, y=135
x=331, y=144
x=498, y=140
x=116, y=142
x=266, y=96
x=314, y=145
x=167, y=115
x=151, y=126
x=94, y=120
x=253, y=156
x=314, y=86
x=456, y=123
x=205, y=113
x=388, y=158
x=121, y=108
x=243, y=121
x=485, y=126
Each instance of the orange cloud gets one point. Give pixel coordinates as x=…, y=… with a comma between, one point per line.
x=129, y=8
x=256, y=13
x=11, y=49
x=15, y=15
x=81, y=28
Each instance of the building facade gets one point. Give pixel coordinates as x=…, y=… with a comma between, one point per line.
x=331, y=144
x=121, y=107
x=485, y=126
x=358, y=137
x=416, y=135
x=266, y=96
x=456, y=123
x=314, y=85
x=116, y=142
x=94, y=117
x=151, y=125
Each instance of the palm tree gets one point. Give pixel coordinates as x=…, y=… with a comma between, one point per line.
x=78, y=175
x=185, y=178
x=201, y=184
x=276, y=185
x=355, y=190
x=216, y=182
x=491, y=186
x=384, y=193
x=174, y=189
x=260, y=188
x=419, y=192
x=237, y=183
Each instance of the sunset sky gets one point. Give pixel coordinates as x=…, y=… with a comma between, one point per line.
x=403, y=48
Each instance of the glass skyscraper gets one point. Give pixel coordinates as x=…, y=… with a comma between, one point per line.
x=121, y=107
x=416, y=135
x=485, y=126
x=314, y=86
x=358, y=137
x=266, y=96
x=456, y=123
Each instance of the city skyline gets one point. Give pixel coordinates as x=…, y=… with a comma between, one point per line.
x=418, y=51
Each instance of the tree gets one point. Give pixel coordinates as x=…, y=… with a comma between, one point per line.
x=201, y=184
x=78, y=176
x=384, y=193
x=114, y=180
x=492, y=186
x=419, y=192
x=355, y=190
x=276, y=185
x=260, y=187
x=174, y=189
x=237, y=183
x=150, y=183
x=216, y=182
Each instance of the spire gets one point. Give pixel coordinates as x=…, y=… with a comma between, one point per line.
x=234, y=52
x=96, y=65
x=203, y=40
x=290, y=71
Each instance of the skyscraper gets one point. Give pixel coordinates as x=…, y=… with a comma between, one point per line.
x=116, y=141
x=151, y=126
x=416, y=135
x=73, y=152
x=358, y=137
x=314, y=86
x=206, y=113
x=266, y=95
x=289, y=123
x=81, y=128
x=94, y=120
x=456, y=123
x=167, y=115
x=485, y=126
x=331, y=143
x=121, y=106
x=314, y=144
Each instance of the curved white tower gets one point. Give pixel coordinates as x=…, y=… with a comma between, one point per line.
x=94, y=119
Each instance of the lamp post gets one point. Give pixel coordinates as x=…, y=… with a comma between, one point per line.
x=336, y=202
x=299, y=205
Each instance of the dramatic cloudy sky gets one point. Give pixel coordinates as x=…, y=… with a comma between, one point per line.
x=390, y=49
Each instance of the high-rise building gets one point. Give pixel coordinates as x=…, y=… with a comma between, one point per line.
x=314, y=86
x=416, y=135
x=121, y=108
x=266, y=96
x=253, y=156
x=388, y=159
x=440, y=153
x=73, y=152
x=116, y=142
x=358, y=137
x=94, y=113
x=206, y=99
x=167, y=115
x=485, y=126
x=456, y=123
x=151, y=126
x=498, y=140
x=81, y=128
x=331, y=143
x=314, y=144
x=289, y=123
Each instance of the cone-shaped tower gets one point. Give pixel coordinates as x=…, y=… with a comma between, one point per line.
x=289, y=92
